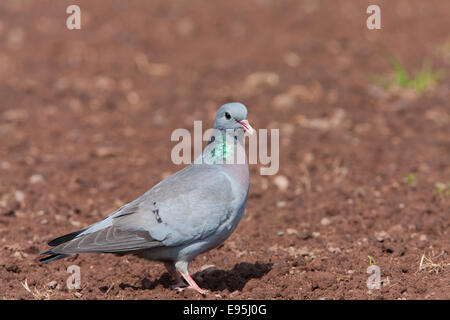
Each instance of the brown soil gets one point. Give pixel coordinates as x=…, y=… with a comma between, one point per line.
x=86, y=118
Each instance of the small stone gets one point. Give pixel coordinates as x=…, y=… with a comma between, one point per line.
x=334, y=249
x=281, y=204
x=381, y=236
x=325, y=221
x=396, y=230
x=281, y=182
x=423, y=237
x=133, y=98
x=291, y=231
x=36, y=178
x=292, y=59
x=19, y=195
x=77, y=294
x=75, y=223
x=292, y=251
x=280, y=233
x=103, y=152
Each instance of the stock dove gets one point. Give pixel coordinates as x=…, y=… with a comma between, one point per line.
x=190, y=212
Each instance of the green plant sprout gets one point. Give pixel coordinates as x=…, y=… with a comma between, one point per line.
x=443, y=189
x=410, y=180
x=371, y=260
x=427, y=264
x=421, y=80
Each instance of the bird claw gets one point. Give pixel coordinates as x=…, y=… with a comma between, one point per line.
x=181, y=289
x=199, y=290
x=178, y=286
x=202, y=291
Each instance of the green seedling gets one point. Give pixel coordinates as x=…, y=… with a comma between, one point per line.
x=443, y=189
x=410, y=180
x=421, y=80
x=371, y=260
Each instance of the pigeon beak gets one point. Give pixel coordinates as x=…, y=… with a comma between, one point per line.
x=247, y=127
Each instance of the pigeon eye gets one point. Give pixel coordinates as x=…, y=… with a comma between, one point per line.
x=227, y=115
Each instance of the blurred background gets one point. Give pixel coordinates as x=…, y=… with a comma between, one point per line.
x=364, y=118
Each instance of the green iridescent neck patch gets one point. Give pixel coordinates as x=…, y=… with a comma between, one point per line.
x=220, y=150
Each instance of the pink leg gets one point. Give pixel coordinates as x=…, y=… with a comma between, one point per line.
x=192, y=284
x=173, y=272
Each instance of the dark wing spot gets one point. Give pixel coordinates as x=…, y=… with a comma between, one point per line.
x=156, y=213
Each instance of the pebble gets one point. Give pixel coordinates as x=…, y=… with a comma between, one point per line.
x=292, y=59
x=19, y=195
x=291, y=231
x=381, y=236
x=280, y=233
x=423, y=237
x=281, y=182
x=133, y=98
x=325, y=221
x=103, y=152
x=281, y=204
x=36, y=178
x=334, y=249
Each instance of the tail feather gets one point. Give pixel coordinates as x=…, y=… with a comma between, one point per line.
x=52, y=256
x=67, y=237
x=110, y=239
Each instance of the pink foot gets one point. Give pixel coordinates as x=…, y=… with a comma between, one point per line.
x=192, y=284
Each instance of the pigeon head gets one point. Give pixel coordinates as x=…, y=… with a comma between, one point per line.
x=233, y=116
